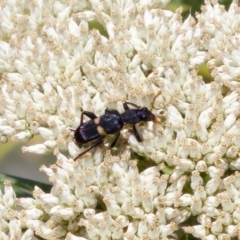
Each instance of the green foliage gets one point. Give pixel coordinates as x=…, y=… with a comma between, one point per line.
x=24, y=187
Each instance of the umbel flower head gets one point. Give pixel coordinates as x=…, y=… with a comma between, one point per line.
x=60, y=58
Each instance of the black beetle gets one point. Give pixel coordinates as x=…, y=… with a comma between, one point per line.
x=110, y=123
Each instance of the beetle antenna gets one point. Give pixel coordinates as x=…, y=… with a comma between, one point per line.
x=158, y=94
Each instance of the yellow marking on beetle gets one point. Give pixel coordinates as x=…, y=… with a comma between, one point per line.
x=101, y=131
x=96, y=121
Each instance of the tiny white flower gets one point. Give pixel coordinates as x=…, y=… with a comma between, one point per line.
x=6, y=130
x=185, y=200
x=73, y=237
x=49, y=199
x=212, y=201
x=196, y=180
x=38, y=149
x=196, y=207
x=182, y=216
x=64, y=213
x=200, y=193
x=232, y=230
x=211, y=211
x=216, y=227
x=212, y=185
x=167, y=229
x=197, y=231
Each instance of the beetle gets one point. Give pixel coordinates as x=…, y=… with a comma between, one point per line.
x=111, y=123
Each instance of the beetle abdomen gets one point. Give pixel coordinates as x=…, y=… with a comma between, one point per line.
x=86, y=133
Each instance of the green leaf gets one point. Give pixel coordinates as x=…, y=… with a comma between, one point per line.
x=24, y=187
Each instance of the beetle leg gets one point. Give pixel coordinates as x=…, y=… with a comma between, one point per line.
x=126, y=107
x=88, y=114
x=136, y=133
x=115, y=140
x=97, y=142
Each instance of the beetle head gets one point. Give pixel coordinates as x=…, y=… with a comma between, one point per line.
x=145, y=115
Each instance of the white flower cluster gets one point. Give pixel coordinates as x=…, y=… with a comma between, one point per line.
x=53, y=66
x=10, y=224
x=220, y=31
x=128, y=197
x=59, y=58
x=111, y=199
